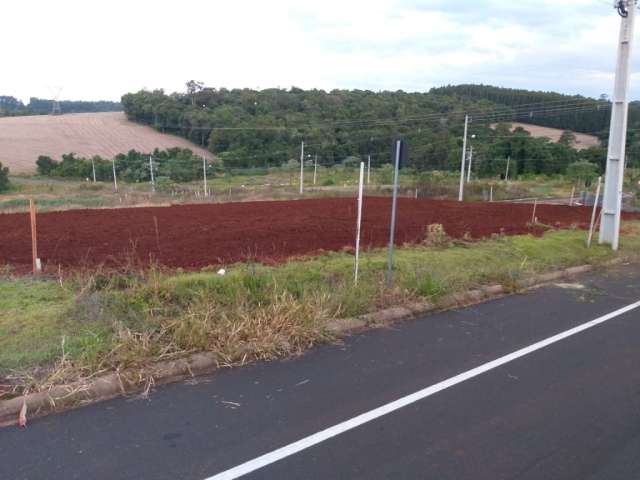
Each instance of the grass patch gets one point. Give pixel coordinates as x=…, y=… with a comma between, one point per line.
x=32, y=321
x=127, y=319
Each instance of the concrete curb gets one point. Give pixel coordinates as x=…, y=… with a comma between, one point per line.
x=120, y=383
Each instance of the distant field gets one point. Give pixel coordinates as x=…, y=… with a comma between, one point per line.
x=582, y=140
x=23, y=139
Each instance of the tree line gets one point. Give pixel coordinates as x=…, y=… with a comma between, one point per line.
x=174, y=164
x=12, y=107
x=547, y=109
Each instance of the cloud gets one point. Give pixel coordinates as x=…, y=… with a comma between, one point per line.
x=101, y=50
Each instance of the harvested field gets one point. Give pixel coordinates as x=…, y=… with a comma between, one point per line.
x=195, y=236
x=23, y=139
x=582, y=139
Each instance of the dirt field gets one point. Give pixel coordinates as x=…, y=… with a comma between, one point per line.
x=194, y=236
x=23, y=139
x=582, y=140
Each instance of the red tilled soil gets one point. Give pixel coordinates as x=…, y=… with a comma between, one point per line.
x=194, y=236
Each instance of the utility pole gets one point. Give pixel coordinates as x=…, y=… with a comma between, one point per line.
x=359, y=221
x=315, y=169
x=93, y=168
x=464, y=155
x=614, y=175
x=470, y=160
x=204, y=175
x=399, y=144
x=506, y=175
x=153, y=181
x=368, y=169
x=301, y=168
x=115, y=179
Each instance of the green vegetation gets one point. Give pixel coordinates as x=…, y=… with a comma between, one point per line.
x=32, y=321
x=175, y=164
x=582, y=171
x=5, y=184
x=12, y=107
x=538, y=105
x=248, y=128
x=126, y=319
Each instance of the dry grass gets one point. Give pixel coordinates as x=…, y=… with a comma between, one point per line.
x=124, y=321
x=582, y=139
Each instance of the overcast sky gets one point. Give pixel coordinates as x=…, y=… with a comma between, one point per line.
x=102, y=49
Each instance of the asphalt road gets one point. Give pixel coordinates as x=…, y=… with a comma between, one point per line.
x=569, y=410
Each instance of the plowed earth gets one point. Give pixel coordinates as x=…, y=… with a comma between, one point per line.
x=194, y=236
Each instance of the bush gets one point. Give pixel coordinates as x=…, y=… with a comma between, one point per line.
x=351, y=162
x=46, y=165
x=385, y=174
x=4, y=178
x=328, y=182
x=582, y=171
x=165, y=184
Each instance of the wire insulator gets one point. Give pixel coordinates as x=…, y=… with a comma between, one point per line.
x=622, y=9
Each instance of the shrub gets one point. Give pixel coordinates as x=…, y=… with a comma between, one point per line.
x=436, y=236
x=4, y=178
x=46, y=165
x=351, y=162
x=165, y=184
x=582, y=171
x=385, y=174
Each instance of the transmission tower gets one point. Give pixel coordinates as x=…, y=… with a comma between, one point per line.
x=55, y=104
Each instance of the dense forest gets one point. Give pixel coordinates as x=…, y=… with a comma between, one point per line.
x=11, y=106
x=248, y=128
x=547, y=109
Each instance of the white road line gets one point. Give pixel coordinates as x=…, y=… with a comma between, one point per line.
x=316, y=438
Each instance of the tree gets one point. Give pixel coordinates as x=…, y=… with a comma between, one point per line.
x=4, y=178
x=568, y=138
x=595, y=155
x=46, y=165
x=193, y=87
x=582, y=171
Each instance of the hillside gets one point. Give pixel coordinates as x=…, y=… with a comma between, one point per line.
x=23, y=139
x=547, y=109
x=582, y=140
x=258, y=128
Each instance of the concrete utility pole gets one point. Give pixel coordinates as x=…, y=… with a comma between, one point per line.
x=394, y=205
x=153, y=181
x=301, y=168
x=470, y=160
x=115, y=179
x=614, y=175
x=506, y=175
x=315, y=169
x=204, y=176
x=464, y=156
x=93, y=168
